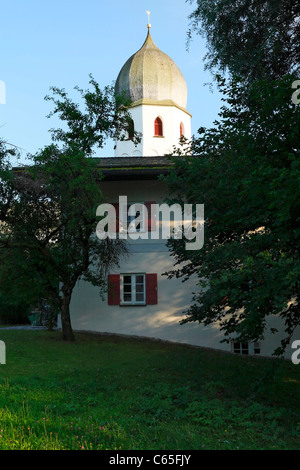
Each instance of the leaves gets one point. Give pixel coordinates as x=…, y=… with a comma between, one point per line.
x=251, y=39
x=101, y=115
x=246, y=172
x=48, y=241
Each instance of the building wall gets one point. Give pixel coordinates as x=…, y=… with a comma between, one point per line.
x=144, y=117
x=90, y=312
x=126, y=147
x=161, y=321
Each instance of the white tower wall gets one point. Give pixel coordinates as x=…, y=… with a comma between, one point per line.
x=144, y=117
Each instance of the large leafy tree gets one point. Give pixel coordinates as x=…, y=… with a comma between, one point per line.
x=252, y=39
x=48, y=209
x=245, y=170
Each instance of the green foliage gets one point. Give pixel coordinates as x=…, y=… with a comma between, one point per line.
x=252, y=39
x=246, y=172
x=7, y=152
x=101, y=114
x=48, y=210
x=13, y=312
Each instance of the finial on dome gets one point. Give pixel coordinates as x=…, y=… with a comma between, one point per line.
x=148, y=25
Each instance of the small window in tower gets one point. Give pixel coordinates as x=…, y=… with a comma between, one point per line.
x=158, y=127
x=181, y=129
x=130, y=129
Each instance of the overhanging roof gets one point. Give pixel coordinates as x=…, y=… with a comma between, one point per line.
x=133, y=168
x=128, y=168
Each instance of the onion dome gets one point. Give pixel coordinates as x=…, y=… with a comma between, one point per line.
x=151, y=77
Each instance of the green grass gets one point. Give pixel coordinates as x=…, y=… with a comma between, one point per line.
x=110, y=392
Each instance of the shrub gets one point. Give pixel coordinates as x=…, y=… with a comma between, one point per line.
x=13, y=312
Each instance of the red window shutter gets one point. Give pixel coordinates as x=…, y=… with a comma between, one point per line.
x=114, y=289
x=116, y=206
x=151, y=224
x=151, y=289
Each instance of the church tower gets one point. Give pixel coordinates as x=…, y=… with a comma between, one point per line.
x=158, y=92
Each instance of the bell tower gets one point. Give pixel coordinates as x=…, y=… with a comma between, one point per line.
x=158, y=94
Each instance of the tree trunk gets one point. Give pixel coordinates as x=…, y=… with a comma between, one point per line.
x=67, y=331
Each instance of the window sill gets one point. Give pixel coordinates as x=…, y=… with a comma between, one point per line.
x=128, y=304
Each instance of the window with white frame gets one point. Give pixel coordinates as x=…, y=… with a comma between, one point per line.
x=240, y=348
x=246, y=348
x=133, y=290
x=133, y=217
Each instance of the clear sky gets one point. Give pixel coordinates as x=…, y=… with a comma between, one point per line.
x=60, y=42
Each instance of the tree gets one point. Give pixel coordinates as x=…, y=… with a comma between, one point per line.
x=251, y=39
x=7, y=151
x=104, y=114
x=246, y=172
x=48, y=210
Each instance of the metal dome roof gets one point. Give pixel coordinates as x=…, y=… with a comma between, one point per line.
x=151, y=77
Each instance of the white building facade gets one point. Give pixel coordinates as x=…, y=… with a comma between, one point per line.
x=141, y=300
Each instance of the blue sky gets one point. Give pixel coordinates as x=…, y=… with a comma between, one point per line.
x=59, y=43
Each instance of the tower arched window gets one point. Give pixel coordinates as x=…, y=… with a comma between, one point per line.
x=181, y=129
x=130, y=129
x=158, y=127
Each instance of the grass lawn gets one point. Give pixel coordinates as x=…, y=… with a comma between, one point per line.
x=109, y=392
